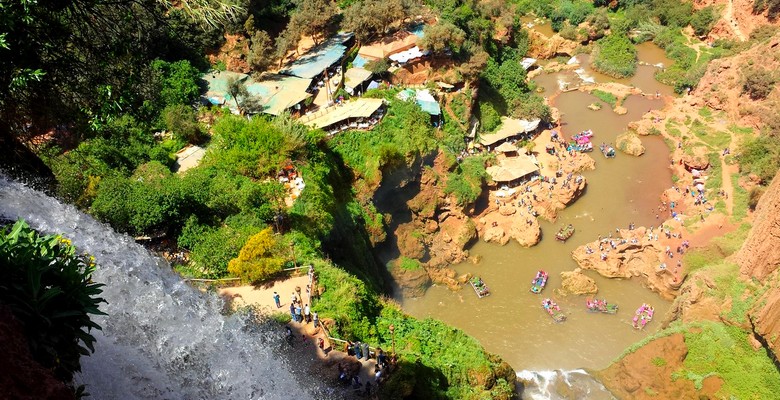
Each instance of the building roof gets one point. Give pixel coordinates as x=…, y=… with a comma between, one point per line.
x=319, y=58
x=510, y=127
x=353, y=77
x=423, y=98
x=217, y=91
x=360, y=108
x=385, y=47
x=527, y=62
x=279, y=92
x=512, y=168
x=506, y=147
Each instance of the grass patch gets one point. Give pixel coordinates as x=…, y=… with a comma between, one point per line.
x=715, y=180
x=740, y=200
x=658, y=361
x=409, y=264
x=699, y=258
x=732, y=241
x=725, y=351
x=706, y=113
x=606, y=97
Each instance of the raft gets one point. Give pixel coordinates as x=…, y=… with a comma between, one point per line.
x=607, y=151
x=539, y=281
x=479, y=287
x=601, y=306
x=565, y=233
x=644, y=314
x=553, y=310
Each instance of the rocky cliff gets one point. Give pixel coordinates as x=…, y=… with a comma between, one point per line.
x=760, y=254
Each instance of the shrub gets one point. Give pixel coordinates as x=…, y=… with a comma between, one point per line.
x=615, y=55
x=758, y=82
x=703, y=20
x=760, y=156
x=755, y=196
x=257, y=260
x=606, y=97
x=49, y=288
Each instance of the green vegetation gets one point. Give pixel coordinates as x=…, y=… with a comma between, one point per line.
x=615, y=56
x=724, y=350
x=467, y=179
x=409, y=264
x=658, y=361
x=257, y=260
x=48, y=287
x=436, y=361
x=761, y=156
x=758, y=82
x=606, y=97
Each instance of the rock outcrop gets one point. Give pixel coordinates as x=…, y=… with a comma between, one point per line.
x=647, y=373
x=765, y=319
x=760, y=254
x=575, y=282
x=544, y=47
x=631, y=254
x=629, y=143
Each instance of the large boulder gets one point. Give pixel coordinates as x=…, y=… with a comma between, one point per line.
x=629, y=143
x=575, y=282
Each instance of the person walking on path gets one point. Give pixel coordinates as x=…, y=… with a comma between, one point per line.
x=307, y=313
x=366, y=352
x=294, y=298
x=298, y=316
x=358, y=351
x=316, y=319
x=276, y=300
x=292, y=311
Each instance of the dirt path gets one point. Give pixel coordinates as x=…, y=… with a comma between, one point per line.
x=728, y=15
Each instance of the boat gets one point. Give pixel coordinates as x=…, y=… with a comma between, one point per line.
x=539, y=281
x=581, y=147
x=565, y=233
x=607, y=150
x=597, y=305
x=479, y=287
x=554, y=310
x=644, y=314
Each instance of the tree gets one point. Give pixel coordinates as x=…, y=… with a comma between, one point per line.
x=287, y=41
x=180, y=119
x=237, y=89
x=615, y=56
x=442, y=36
x=260, y=52
x=257, y=260
x=312, y=18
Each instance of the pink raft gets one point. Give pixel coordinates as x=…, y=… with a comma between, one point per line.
x=644, y=314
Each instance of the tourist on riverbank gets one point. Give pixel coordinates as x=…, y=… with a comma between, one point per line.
x=316, y=319
x=298, y=316
x=292, y=311
x=307, y=313
x=276, y=300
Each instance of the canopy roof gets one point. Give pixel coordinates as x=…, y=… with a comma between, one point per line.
x=316, y=60
x=506, y=147
x=512, y=169
x=279, y=92
x=360, y=108
x=385, y=47
x=353, y=77
x=423, y=98
x=217, y=84
x=510, y=127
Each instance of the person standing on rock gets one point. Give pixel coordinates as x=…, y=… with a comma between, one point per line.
x=276, y=300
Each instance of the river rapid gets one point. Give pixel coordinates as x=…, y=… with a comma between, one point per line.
x=511, y=322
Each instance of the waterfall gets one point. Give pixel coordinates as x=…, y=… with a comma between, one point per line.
x=561, y=385
x=161, y=339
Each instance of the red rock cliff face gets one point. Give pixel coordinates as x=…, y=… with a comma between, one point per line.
x=760, y=254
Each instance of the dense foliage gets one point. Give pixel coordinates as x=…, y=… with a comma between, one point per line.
x=49, y=288
x=615, y=56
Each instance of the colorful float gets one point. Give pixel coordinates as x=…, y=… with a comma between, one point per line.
x=537, y=285
x=597, y=305
x=554, y=310
x=644, y=314
x=565, y=233
x=607, y=150
x=479, y=287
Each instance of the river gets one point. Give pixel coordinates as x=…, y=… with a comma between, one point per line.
x=510, y=322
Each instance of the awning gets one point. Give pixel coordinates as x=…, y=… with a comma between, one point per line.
x=360, y=108
x=510, y=127
x=354, y=77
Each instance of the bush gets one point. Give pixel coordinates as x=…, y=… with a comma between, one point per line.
x=758, y=82
x=257, y=260
x=49, y=288
x=755, y=196
x=180, y=119
x=606, y=97
x=615, y=56
x=703, y=20
x=760, y=156
x=466, y=181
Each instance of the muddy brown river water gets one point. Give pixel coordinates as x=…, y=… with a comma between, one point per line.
x=510, y=322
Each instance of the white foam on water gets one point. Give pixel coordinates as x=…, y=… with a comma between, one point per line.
x=161, y=339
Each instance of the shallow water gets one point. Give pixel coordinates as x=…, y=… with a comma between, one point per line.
x=511, y=322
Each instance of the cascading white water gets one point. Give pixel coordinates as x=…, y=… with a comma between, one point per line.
x=561, y=385
x=161, y=339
